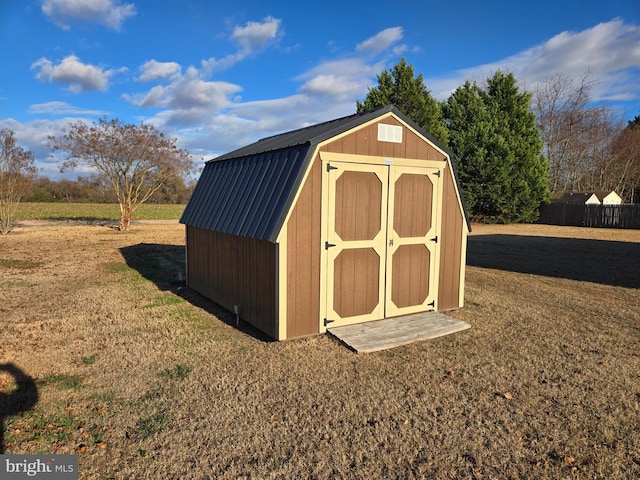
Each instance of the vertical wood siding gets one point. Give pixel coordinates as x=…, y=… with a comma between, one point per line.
x=450, y=247
x=232, y=270
x=303, y=259
x=364, y=141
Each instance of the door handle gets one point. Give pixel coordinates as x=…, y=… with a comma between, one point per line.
x=391, y=242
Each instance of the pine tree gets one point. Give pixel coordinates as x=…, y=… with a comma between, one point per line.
x=504, y=175
x=406, y=91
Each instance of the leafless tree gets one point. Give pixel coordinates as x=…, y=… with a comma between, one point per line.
x=17, y=172
x=623, y=164
x=136, y=160
x=566, y=126
x=579, y=138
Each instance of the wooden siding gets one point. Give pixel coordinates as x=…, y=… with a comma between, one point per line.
x=303, y=259
x=364, y=141
x=452, y=236
x=233, y=270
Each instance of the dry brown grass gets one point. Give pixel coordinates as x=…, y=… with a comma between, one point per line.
x=144, y=383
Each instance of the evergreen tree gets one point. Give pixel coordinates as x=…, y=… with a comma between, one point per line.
x=504, y=175
x=406, y=91
x=469, y=133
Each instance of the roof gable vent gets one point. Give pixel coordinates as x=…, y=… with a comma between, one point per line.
x=389, y=133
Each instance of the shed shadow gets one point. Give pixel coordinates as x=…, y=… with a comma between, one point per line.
x=598, y=261
x=164, y=265
x=159, y=263
x=23, y=398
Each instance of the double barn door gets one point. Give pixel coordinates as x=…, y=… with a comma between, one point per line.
x=381, y=244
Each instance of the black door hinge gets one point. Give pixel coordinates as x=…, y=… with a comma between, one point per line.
x=331, y=167
x=437, y=173
x=432, y=304
x=435, y=239
x=327, y=321
x=328, y=245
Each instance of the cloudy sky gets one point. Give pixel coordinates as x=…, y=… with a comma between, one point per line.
x=218, y=75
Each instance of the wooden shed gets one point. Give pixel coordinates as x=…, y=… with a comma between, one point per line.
x=351, y=220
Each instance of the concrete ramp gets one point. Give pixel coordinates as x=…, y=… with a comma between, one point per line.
x=393, y=332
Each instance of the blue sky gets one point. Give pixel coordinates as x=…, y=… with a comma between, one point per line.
x=219, y=75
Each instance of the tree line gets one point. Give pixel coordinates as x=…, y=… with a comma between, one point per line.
x=513, y=149
x=93, y=189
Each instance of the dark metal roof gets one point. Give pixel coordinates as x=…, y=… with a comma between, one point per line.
x=313, y=134
x=248, y=191
x=247, y=195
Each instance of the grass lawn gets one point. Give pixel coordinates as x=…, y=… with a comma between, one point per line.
x=94, y=211
x=142, y=381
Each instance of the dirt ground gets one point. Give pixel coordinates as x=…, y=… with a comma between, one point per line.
x=103, y=356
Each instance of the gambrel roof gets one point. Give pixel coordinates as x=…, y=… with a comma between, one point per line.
x=248, y=191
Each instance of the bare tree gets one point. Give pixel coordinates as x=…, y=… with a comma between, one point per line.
x=17, y=172
x=567, y=126
x=579, y=138
x=623, y=164
x=136, y=160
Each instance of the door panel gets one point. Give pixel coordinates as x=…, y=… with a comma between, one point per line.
x=357, y=237
x=410, y=287
x=356, y=282
x=411, y=265
x=380, y=252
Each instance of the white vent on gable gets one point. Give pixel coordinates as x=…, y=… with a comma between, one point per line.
x=389, y=133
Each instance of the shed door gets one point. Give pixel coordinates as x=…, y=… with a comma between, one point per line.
x=381, y=241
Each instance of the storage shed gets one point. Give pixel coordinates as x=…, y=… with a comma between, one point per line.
x=351, y=220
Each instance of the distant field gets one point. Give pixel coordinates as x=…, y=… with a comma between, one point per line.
x=94, y=211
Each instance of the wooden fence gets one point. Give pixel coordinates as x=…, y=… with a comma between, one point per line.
x=602, y=216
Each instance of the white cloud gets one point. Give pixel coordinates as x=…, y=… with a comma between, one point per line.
x=335, y=86
x=380, y=41
x=188, y=99
x=154, y=70
x=340, y=79
x=257, y=34
x=111, y=13
x=250, y=38
x=62, y=108
x=213, y=64
x=80, y=77
x=610, y=52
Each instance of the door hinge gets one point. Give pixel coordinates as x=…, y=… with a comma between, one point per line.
x=432, y=304
x=328, y=245
x=331, y=167
x=435, y=239
x=437, y=173
x=327, y=321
